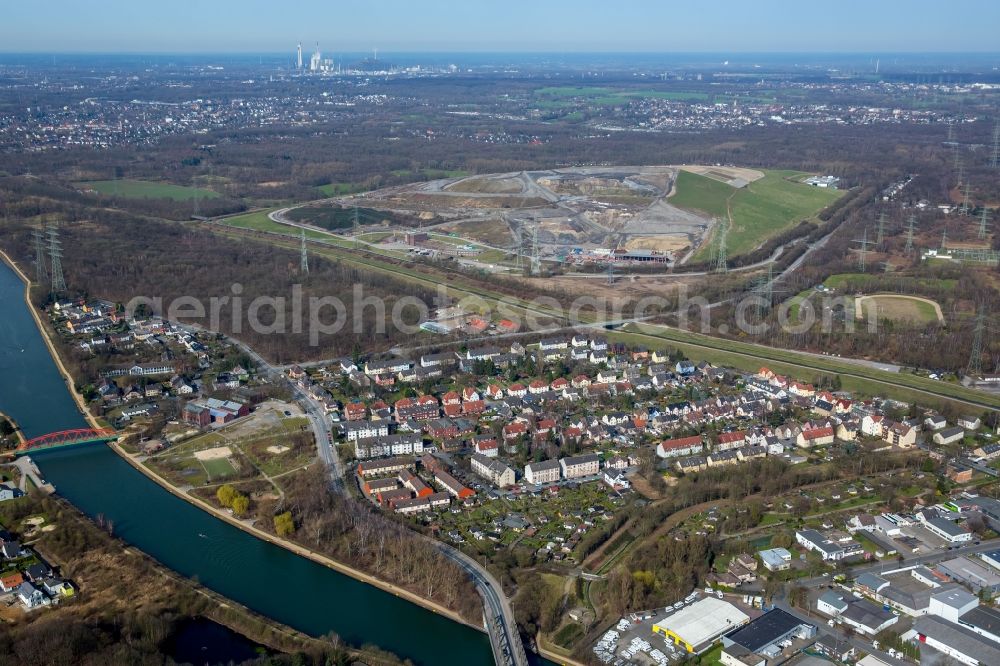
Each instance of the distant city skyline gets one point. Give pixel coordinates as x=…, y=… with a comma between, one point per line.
x=257, y=26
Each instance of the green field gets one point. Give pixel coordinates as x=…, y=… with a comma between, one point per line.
x=555, y=97
x=760, y=210
x=337, y=189
x=141, y=189
x=862, y=281
x=430, y=174
x=260, y=221
x=220, y=468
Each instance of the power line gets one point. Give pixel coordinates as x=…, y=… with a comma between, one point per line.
x=983, y=222
x=55, y=257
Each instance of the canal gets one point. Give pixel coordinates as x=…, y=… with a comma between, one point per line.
x=264, y=577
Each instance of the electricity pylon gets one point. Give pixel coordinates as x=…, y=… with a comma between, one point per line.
x=55, y=258
x=983, y=222
x=863, y=252
x=721, y=260
x=965, y=201
x=995, y=159
x=975, y=366
x=910, y=224
x=881, y=230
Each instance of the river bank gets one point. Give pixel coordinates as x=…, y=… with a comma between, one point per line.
x=46, y=336
x=290, y=546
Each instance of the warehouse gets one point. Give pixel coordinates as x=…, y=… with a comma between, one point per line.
x=763, y=634
x=697, y=626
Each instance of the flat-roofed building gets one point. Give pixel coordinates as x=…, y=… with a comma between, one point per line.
x=952, y=640
x=762, y=635
x=696, y=627
x=972, y=573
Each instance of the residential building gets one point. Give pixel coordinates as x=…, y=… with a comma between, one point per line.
x=574, y=467
x=547, y=471
x=493, y=470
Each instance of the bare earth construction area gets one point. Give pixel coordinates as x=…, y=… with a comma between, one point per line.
x=574, y=216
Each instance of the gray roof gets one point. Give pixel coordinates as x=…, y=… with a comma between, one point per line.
x=832, y=598
x=986, y=618
x=956, y=598
x=871, y=581
x=867, y=614
x=958, y=638
x=544, y=465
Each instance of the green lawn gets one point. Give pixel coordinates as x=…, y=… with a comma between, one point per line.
x=859, y=281
x=260, y=221
x=141, y=189
x=554, y=97
x=760, y=210
x=219, y=468
x=336, y=189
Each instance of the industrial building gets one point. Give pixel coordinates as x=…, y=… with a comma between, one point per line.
x=762, y=636
x=959, y=643
x=972, y=573
x=696, y=627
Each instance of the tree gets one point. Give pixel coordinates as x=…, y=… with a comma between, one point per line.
x=284, y=524
x=226, y=494
x=241, y=503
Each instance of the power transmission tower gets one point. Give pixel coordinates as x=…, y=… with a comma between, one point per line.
x=304, y=259
x=975, y=366
x=721, y=260
x=41, y=274
x=881, y=230
x=611, y=271
x=863, y=251
x=944, y=238
x=995, y=159
x=965, y=201
x=983, y=222
x=55, y=258
x=910, y=224
x=951, y=131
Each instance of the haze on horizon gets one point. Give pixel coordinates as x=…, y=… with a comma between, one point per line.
x=259, y=26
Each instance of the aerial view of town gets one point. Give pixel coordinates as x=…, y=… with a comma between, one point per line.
x=431, y=334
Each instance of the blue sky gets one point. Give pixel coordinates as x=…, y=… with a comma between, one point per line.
x=215, y=26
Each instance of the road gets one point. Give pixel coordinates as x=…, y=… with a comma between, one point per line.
x=504, y=636
x=887, y=566
x=321, y=426
x=29, y=470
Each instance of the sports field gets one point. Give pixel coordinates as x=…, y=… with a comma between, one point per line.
x=900, y=308
x=218, y=468
x=143, y=189
x=758, y=211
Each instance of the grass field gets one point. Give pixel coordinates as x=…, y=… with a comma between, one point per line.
x=554, y=97
x=220, y=468
x=854, y=281
x=760, y=210
x=141, y=189
x=260, y=221
x=337, y=189
x=902, y=308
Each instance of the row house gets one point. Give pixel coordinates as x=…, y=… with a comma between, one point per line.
x=355, y=430
x=376, y=368
x=547, y=471
x=389, y=445
x=683, y=446
x=574, y=467
x=452, y=485
x=418, y=409
x=731, y=440
x=418, y=504
x=815, y=437
x=383, y=466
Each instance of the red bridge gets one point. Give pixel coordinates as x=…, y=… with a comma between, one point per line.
x=56, y=440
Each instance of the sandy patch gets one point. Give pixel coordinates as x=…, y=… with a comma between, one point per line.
x=724, y=173
x=214, y=454
x=664, y=243
x=277, y=449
